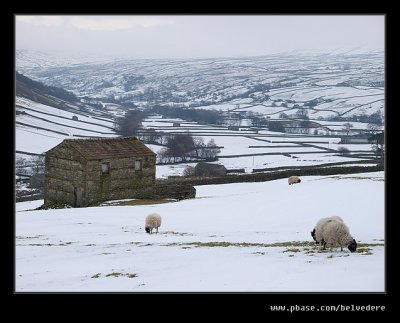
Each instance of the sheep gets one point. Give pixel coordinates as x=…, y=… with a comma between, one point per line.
x=336, y=232
x=316, y=233
x=294, y=180
x=153, y=221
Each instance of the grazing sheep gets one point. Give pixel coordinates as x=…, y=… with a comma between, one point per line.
x=153, y=221
x=335, y=232
x=316, y=233
x=294, y=180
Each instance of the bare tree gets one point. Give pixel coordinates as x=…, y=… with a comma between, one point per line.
x=212, y=150
x=38, y=165
x=373, y=128
x=151, y=136
x=378, y=144
x=302, y=113
x=180, y=146
x=347, y=126
x=130, y=123
x=198, y=145
x=343, y=151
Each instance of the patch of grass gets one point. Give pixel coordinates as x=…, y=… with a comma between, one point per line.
x=290, y=255
x=42, y=244
x=53, y=205
x=244, y=244
x=89, y=245
x=177, y=233
x=65, y=243
x=114, y=274
x=364, y=251
x=222, y=244
x=137, y=202
x=96, y=275
x=330, y=256
x=311, y=251
x=117, y=274
x=292, y=250
x=357, y=177
x=259, y=253
x=294, y=244
x=308, y=247
x=33, y=237
x=360, y=245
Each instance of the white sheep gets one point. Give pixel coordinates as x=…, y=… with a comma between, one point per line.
x=153, y=221
x=317, y=232
x=335, y=232
x=294, y=180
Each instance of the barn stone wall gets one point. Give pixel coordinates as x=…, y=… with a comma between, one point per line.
x=122, y=180
x=65, y=169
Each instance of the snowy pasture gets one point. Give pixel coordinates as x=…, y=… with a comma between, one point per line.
x=240, y=149
x=244, y=237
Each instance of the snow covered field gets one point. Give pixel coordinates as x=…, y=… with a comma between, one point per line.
x=243, y=237
x=240, y=144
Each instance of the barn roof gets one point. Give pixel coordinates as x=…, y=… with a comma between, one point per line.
x=102, y=148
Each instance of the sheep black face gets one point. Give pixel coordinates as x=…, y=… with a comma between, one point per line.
x=147, y=229
x=299, y=180
x=313, y=235
x=353, y=246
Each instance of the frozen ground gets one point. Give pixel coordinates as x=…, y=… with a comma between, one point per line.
x=242, y=237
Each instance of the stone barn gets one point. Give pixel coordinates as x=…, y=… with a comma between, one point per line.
x=82, y=172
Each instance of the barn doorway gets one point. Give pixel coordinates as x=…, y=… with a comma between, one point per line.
x=77, y=196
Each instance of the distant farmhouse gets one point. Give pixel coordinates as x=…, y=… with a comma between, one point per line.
x=82, y=172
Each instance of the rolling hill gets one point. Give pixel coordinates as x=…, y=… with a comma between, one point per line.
x=327, y=85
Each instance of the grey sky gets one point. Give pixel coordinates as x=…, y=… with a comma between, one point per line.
x=166, y=36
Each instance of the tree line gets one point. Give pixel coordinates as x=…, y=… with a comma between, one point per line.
x=184, y=147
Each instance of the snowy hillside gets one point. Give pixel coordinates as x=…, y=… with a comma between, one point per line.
x=327, y=85
x=37, y=59
x=243, y=237
x=40, y=127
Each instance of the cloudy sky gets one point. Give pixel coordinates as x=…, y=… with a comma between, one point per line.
x=196, y=36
